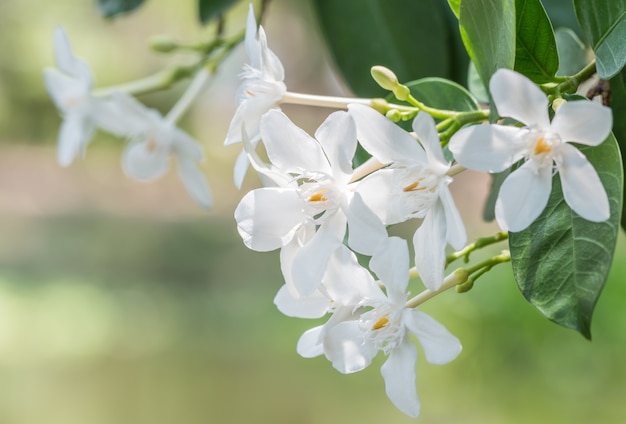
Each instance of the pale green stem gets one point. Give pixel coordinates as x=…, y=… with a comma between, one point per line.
x=369, y=166
x=189, y=96
x=458, y=277
x=455, y=170
x=322, y=101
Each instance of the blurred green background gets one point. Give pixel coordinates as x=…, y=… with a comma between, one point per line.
x=123, y=302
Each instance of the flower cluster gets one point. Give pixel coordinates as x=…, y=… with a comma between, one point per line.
x=328, y=216
x=320, y=211
x=152, y=138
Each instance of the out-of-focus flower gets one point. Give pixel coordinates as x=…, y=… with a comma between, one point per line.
x=415, y=185
x=544, y=145
x=261, y=90
x=154, y=140
x=70, y=88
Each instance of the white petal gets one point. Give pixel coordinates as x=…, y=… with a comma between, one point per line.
x=399, y=375
x=267, y=218
x=289, y=251
x=289, y=148
x=144, y=161
x=455, y=229
x=337, y=136
x=519, y=98
x=582, y=189
x=65, y=91
x=311, y=262
x=430, y=247
x=195, y=182
x=376, y=191
x=491, y=148
x=345, y=348
x=383, y=139
x=391, y=265
x=272, y=68
x=310, y=343
x=65, y=59
x=583, y=122
x=74, y=134
x=440, y=346
x=523, y=196
x=366, y=231
x=424, y=127
x=251, y=43
x=314, y=306
x=241, y=168
x=346, y=281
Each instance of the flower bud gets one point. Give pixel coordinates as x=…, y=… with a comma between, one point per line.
x=393, y=115
x=557, y=103
x=163, y=44
x=385, y=77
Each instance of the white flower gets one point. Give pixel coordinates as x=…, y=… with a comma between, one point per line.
x=544, y=145
x=153, y=141
x=314, y=194
x=70, y=88
x=344, y=285
x=415, y=185
x=386, y=325
x=261, y=90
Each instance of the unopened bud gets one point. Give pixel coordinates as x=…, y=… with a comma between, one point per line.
x=385, y=77
x=402, y=92
x=380, y=105
x=163, y=44
x=393, y=115
x=557, y=103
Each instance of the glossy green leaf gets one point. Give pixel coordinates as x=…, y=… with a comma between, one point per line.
x=535, y=48
x=440, y=93
x=604, y=25
x=475, y=84
x=562, y=261
x=455, y=6
x=409, y=37
x=111, y=8
x=572, y=52
x=618, y=104
x=488, y=31
x=210, y=9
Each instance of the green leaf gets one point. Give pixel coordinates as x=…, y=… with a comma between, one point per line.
x=604, y=25
x=572, y=52
x=535, y=50
x=111, y=8
x=618, y=104
x=475, y=85
x=409, y=37
x=562, y=261
x=562, y=14
x=455, y=6
x=210, y=9
x=441, y=93
x=488, y=31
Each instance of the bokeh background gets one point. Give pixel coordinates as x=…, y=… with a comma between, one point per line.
x=124, y=302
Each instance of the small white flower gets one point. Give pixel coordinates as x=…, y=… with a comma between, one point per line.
x=314, y=194
x=153, y=141
x=352, y=344
x=344, y=285
x=70, y=88
x=415, y=185
x=261, y=90
x=544, y=145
